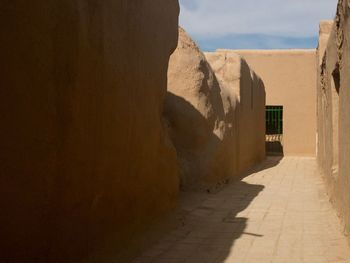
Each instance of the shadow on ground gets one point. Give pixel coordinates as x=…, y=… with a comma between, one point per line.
x=274, y=148
x=269, y=162
x=210, y=224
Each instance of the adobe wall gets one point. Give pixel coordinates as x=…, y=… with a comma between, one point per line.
x=289, y=77
x=242, y=86
x=199, y=128
x=324, y=32
x=323, y=128
x=215, y=111
x=333, y=114
x=85, y=162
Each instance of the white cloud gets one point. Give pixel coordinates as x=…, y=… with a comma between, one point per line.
x=217, y=18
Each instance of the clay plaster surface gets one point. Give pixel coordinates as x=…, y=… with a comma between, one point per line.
x=85, y=163
x=333, y=113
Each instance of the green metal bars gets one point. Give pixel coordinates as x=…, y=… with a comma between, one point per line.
x=274, y=120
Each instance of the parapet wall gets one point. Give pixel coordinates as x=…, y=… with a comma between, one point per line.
x=333, y=112
x=85, y=164
x=289, y=77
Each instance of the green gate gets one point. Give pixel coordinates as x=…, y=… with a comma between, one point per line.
x=274, y=130
x=274, y=120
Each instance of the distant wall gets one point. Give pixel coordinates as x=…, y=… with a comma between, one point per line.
x=85, y=163
x=333, y=112
x=241, y=86
x=290, y=80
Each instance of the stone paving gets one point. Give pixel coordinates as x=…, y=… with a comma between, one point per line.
x=278, y=213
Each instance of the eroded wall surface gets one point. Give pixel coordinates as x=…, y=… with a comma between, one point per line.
x=323, y=133
x=333, y=113
x=289, y=77
x=241, y=86
x=324, y=32
x=84, y=159
x=198, y=125
x=215, y=113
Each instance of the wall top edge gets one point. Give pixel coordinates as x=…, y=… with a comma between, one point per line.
x=269, y=51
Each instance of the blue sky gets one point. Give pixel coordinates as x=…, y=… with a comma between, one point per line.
x=255, y=24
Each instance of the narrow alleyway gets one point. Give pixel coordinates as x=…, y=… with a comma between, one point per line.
x=279, y=213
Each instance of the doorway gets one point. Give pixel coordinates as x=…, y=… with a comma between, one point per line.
x=274, y=130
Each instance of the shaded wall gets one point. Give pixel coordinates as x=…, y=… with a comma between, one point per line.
x=240, y=86
x=85, y=163
x=333, y=113
x=289, y=77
